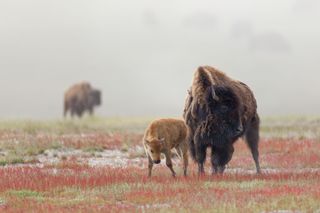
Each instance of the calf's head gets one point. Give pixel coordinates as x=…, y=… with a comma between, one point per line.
x=153, y=148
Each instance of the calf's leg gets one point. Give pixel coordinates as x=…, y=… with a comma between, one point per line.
x=169, y=162
x=150, y=165
x=183, y=152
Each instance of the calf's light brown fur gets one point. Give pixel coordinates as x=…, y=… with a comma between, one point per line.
x=162, y=136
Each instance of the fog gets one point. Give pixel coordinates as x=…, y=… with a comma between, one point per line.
x=142, y=53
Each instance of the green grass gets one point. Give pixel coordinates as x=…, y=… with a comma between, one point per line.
x=25, y=193
x=299, y=127
x=283, y=126
x=84, y=125
x=11, y=160
x=93, y=149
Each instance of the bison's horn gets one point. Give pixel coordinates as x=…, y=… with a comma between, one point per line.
x=194, y=108
x=189, y=92
x=213, y=94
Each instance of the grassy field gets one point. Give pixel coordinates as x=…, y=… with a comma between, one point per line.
x=98, y=165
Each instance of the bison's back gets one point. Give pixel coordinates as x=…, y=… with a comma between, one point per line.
x=78, y=90
x=248, y=101
x=173, y=130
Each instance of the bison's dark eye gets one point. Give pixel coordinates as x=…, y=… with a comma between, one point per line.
x=224, y=108
x=151, y=151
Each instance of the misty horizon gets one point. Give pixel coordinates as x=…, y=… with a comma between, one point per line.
x=142, y=54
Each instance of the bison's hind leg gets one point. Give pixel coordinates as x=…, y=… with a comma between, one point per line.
x=252, y=139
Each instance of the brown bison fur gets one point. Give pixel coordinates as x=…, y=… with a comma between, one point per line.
x=219, y=110
x=81, y=97
x=162, y=136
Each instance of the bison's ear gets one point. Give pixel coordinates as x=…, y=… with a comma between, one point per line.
x=213, y=93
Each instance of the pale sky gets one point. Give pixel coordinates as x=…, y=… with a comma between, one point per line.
x=142, y=53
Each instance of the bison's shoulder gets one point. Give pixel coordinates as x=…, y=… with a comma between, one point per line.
x=79, y=90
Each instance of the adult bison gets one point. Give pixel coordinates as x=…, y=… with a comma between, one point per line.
x=81, y=97
x=218, y=111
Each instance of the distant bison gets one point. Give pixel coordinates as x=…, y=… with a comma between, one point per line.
x=81, y=97
x=163, y=135
x=219, y=110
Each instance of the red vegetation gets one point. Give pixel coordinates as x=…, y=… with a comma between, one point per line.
x=290, y=170
x=161, y=188
x=280, y=153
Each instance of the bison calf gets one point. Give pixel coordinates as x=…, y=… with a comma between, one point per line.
x=163, y=135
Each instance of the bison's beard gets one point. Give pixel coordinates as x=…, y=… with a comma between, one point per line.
x=216, y=132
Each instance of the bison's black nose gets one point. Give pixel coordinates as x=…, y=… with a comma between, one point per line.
x=239, y=130
x=156, y=161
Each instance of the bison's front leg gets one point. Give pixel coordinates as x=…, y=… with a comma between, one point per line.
x=220, y=157
x=214, y=161
x=201, y=157
x=169, y=162
x=217, y=166
x=201, y=152
x=185, y=161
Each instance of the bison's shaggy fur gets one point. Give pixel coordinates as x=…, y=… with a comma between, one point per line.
x=163, y=135
x=219, y=110
x=79, y=98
